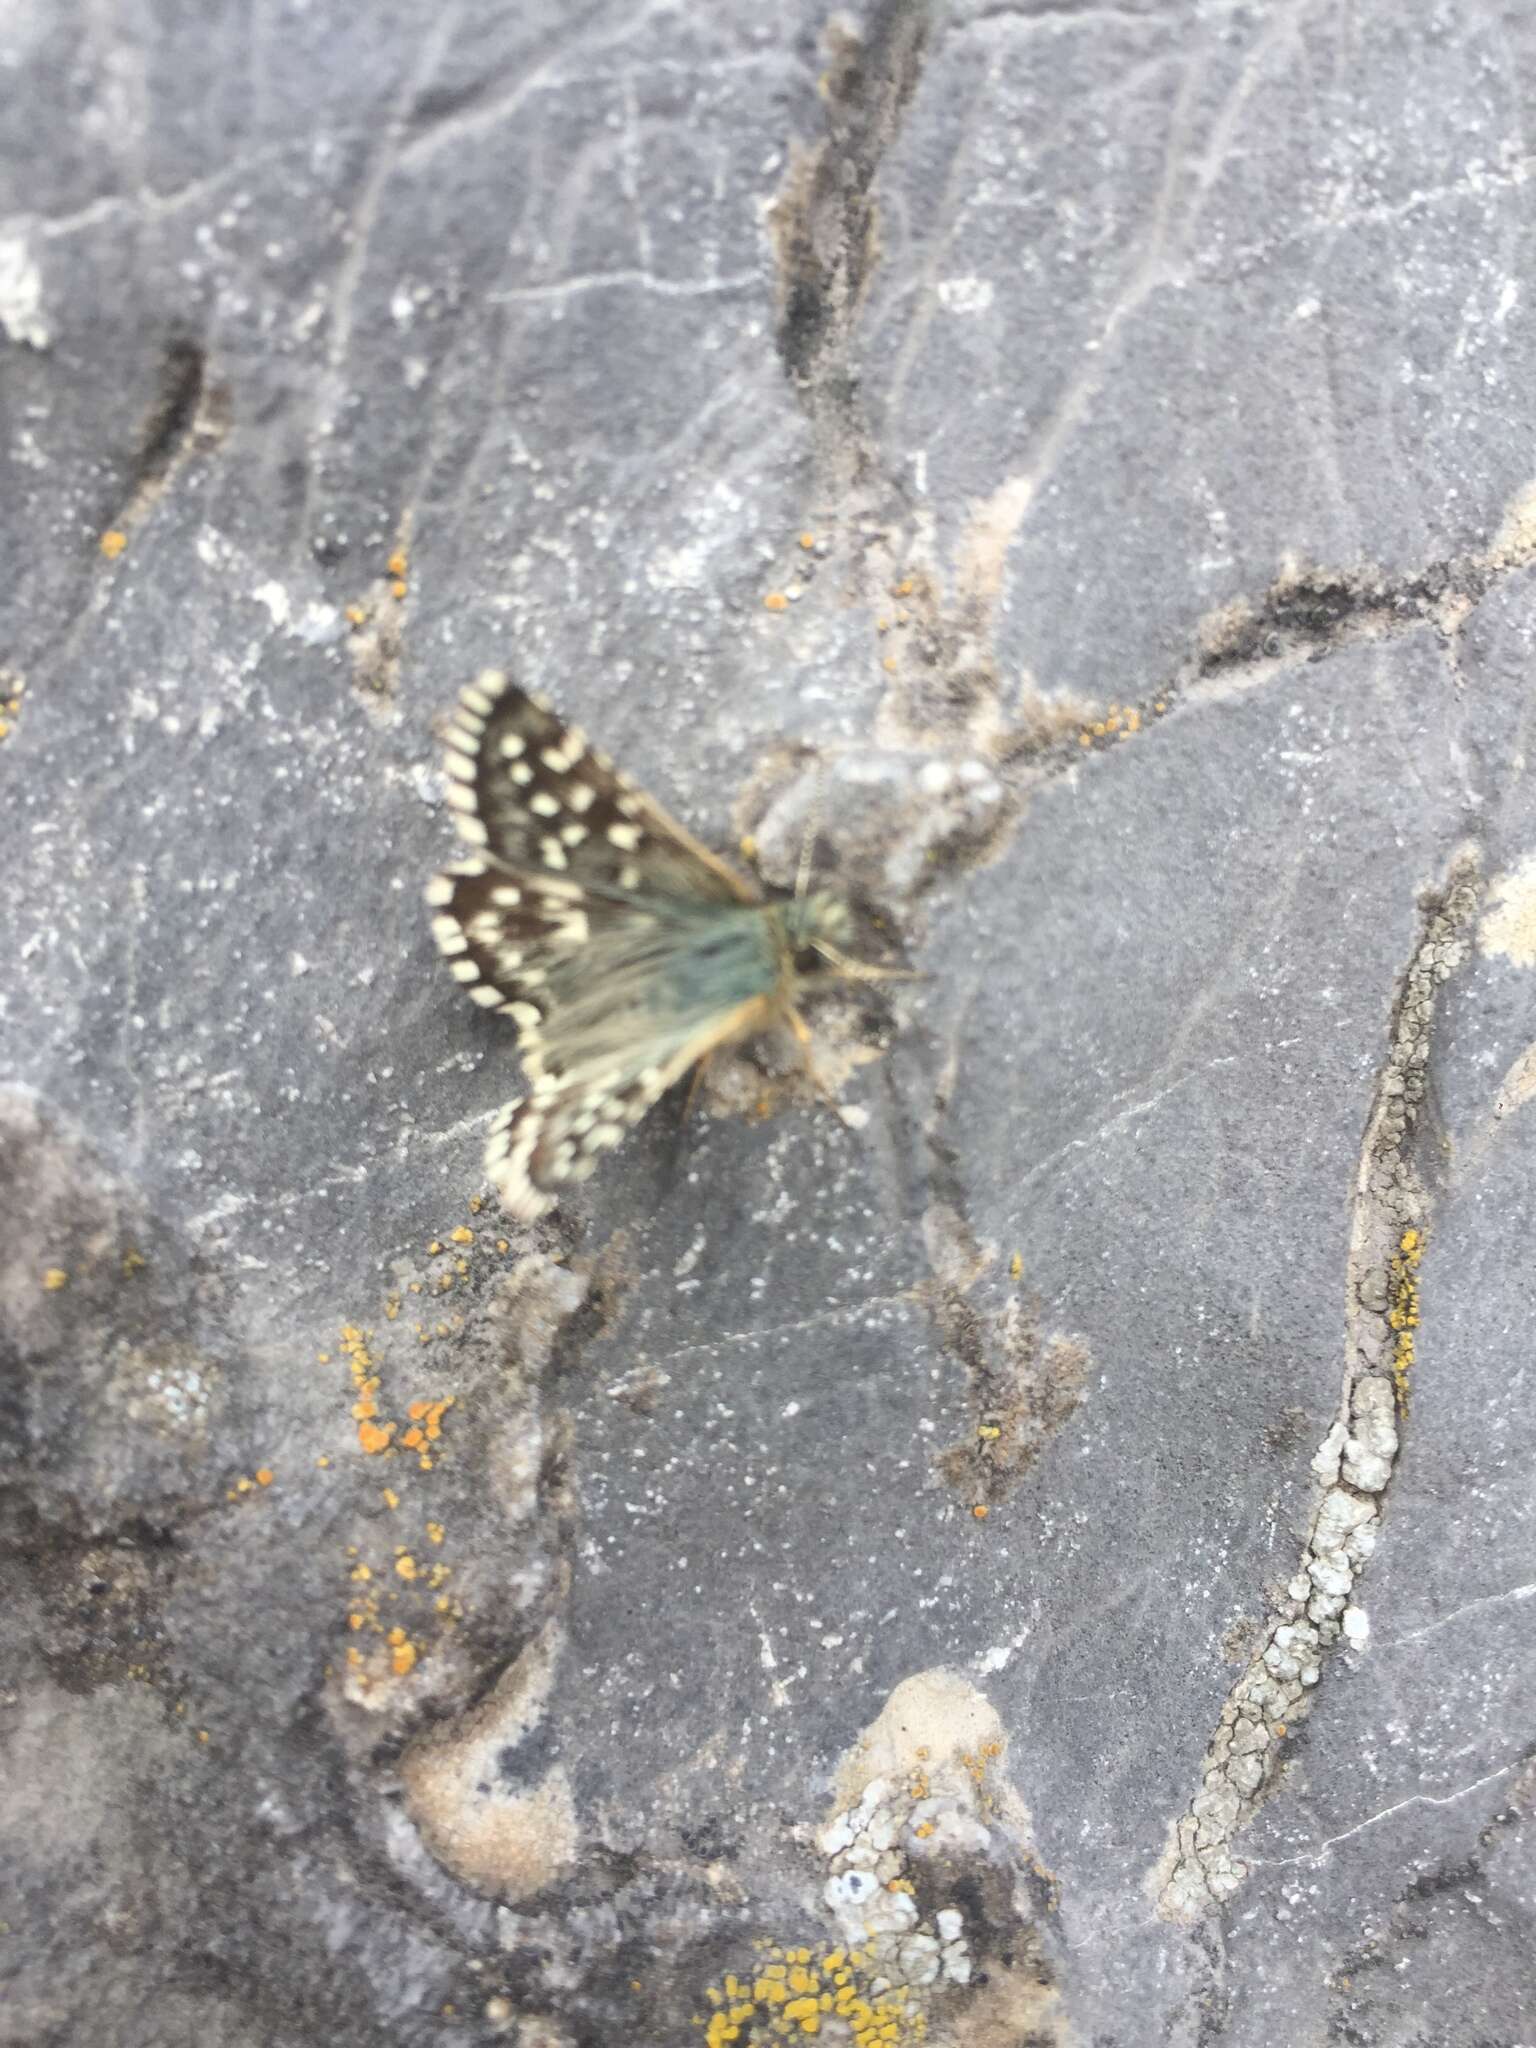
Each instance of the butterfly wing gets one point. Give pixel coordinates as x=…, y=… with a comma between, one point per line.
x=621, y=949
x=539, y=1146
x=529, y=791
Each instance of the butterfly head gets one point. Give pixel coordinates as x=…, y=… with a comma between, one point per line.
x=819, y=924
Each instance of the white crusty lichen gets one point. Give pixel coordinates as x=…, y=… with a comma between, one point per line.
x=1199, y=1871
x=871, y=1850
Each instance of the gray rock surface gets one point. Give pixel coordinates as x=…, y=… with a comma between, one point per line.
x=1047, y=1555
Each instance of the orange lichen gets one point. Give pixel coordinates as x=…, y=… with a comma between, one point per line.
x=1403, y=1316
x=775, y=601
x=112, y=543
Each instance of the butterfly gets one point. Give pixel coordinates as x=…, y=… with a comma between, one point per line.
x=623, y=950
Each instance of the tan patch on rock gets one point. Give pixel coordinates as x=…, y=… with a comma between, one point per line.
x=509, y=1840
x=1518, y=1085
x=1509, y=923
x=1515, y=541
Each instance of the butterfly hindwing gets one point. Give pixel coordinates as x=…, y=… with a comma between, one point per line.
x=554, y=1137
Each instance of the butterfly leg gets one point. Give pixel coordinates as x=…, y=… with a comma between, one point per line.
x=802, y=1032
x=696, y=1083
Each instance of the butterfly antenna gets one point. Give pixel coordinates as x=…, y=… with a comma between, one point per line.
x=808, y=843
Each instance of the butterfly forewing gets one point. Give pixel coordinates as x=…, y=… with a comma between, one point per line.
x=621, y=949
x=528, y=789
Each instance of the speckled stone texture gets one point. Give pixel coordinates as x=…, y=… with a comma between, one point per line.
x=1072, y=1508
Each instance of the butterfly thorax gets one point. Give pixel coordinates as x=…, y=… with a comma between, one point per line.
x=820, y=919
x=713, y=957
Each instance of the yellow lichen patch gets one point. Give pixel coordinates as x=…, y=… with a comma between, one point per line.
x=112, y=543
x=1118, y=723
x=54, y=1279
x=1403, y=1316
x=12, y=689
x=794, y=1992
x=244, y=1487
x=775, y=601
